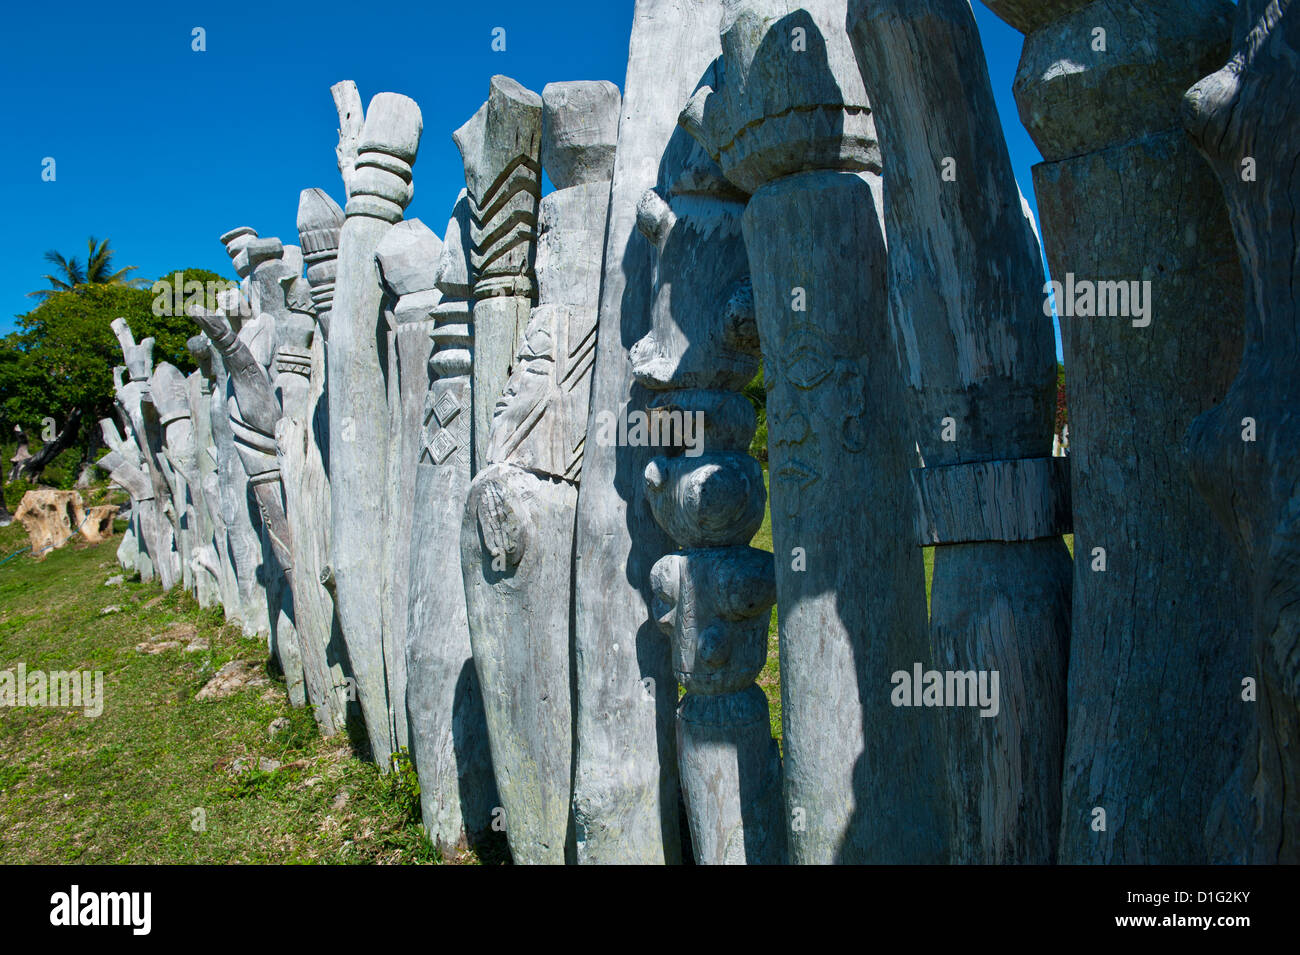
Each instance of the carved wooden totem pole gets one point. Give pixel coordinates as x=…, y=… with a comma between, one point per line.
x=408, y=263
x=979, y=358
x=211, y=586
x=238, y=510
x=176, y=431
x=626, y=792
x=1148, y=293
x=250, y=353
x=302, y=438
x=517, y=537
x=379, y=189
x=253, y=413
x=500, y=147
x=449, y=741
x=713, y=598
x=135, y=406
x=790, y=125
x=1245, y=119
x=126, y=467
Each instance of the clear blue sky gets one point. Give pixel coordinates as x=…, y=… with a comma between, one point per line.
x=162, y=149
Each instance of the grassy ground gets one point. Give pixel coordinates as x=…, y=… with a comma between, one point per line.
x=125, y=787
x=162, y=777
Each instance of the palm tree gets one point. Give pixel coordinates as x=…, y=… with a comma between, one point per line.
x=98, y=270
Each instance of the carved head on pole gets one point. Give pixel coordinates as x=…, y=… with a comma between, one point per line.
x=538, y=421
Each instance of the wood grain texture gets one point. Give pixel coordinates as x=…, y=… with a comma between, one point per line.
x=1021, y=500
x=517, y=538
x=378, y=192
x=1247, y=111
x=977, y=351
x=626, y=791
x=408, y=260
x=444, y=703
x=791, y=122
x=1156, y=647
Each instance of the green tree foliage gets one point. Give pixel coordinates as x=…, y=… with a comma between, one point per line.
x=59, y=363
x=98, y=270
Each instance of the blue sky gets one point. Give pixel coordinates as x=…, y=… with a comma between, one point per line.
x=162, y=149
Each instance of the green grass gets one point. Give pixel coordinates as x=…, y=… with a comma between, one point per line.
x=124, y=787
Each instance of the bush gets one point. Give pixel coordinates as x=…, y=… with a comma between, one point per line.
x=15, y=490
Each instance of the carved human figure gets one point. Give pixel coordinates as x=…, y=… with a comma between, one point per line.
x=626, y=792
x=500, y=146
x=713, y=599
x=449, y=740
x=517, y=538
x=789, y=123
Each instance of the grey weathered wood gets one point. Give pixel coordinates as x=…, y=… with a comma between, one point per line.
x=791, y=123
x=626, y=791
x=241, y=513
x=1022, y=500
x=501, y=146
x=714, y=599
x=202, y=389
x=1248, y=111
x=1028, y=15
x=203, y=490
x=977, y=350
x=167, y=392
x=517, y=544
x=254, y=413
x=252, y=354
x=517, y=537
x=136, y=408
x=302, y=445
x=408, y=264
x=125, y=469
x=449, y=739
x=1156, y=645
x=378, y=191
x=241, y=551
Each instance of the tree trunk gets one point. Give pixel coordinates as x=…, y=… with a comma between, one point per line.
x=31, y=468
